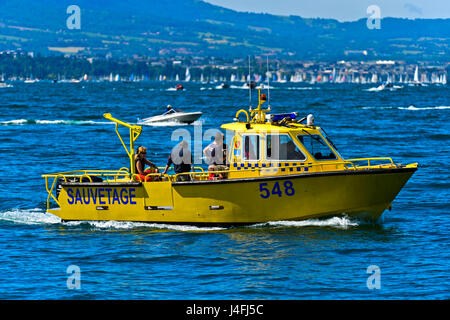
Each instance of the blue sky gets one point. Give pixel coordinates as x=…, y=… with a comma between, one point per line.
x=343, y=10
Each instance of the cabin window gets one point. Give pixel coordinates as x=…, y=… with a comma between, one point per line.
x=281, y=147
x=231, y=142
x=317, y=147
x=251, y=147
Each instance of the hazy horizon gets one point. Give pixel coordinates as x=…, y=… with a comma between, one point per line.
x=343, y=10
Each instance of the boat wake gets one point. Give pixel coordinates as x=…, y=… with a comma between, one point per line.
x=335, y=222
x=21, y=122
x=411, y=107
x=302, y=88
x=382, y=88
x=424, y=108
x=38, y=216
x=29, y=216
x=129, y=225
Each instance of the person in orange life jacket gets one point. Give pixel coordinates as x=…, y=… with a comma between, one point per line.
x=140, y=161
x=216, y=153
x=181, y=159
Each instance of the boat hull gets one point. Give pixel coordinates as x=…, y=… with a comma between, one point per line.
x=178, y=117
x=363, y=194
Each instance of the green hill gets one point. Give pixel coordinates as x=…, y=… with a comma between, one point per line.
x=193, y=27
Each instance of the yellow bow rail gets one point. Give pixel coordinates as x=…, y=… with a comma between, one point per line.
x=109, y=176
x=368, y=160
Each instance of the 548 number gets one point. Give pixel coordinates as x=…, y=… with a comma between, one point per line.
x=265, y=192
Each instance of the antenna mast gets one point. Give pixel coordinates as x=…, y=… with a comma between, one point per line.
x=249, y=83
x=268, y=82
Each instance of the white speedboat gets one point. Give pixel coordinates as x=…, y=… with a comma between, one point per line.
x=172, y=116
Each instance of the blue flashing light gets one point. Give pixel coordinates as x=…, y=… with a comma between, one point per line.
x=281, y=116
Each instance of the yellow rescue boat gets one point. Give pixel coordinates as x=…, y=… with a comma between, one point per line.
x=278, y=169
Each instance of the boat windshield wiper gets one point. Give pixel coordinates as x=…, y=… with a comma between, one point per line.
x=314, y=137
x=329, y=139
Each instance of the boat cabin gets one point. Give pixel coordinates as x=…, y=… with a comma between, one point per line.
x=277, y=145
x=265, y=149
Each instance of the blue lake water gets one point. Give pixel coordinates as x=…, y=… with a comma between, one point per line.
x=46, y=127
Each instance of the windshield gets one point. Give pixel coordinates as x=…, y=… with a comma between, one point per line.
x=317, y=147
x=282, y=147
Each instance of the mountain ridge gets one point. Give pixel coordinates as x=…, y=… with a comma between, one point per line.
x=194, y=27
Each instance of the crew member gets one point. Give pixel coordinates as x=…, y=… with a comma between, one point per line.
x=181, y=159
x=140, y=161
x=216, y=153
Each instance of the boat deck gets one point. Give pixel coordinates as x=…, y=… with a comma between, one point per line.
x=123, y=178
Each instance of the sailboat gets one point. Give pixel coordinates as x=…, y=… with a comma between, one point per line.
x=188, y=75
x=416, y=81
x=374, y=78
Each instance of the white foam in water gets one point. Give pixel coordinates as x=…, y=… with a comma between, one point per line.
x=29, y=216
x=14, y=122
x=126, y=225
x=302, y=88
x=377, y=108
x=69, y=122
x=44, y=122
x=425, y=108
x=337, y=222
x=39, y=216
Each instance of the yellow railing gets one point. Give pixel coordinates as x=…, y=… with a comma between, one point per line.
x=111, y=176
x=123, y=174
x=352, y=161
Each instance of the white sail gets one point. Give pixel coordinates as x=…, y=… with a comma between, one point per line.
x=374, y=78
x=188, y=75
x=416, y=74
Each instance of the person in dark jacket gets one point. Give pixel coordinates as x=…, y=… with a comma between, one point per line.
x=181, y=159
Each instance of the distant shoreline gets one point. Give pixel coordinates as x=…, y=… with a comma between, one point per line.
x=28, y=67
